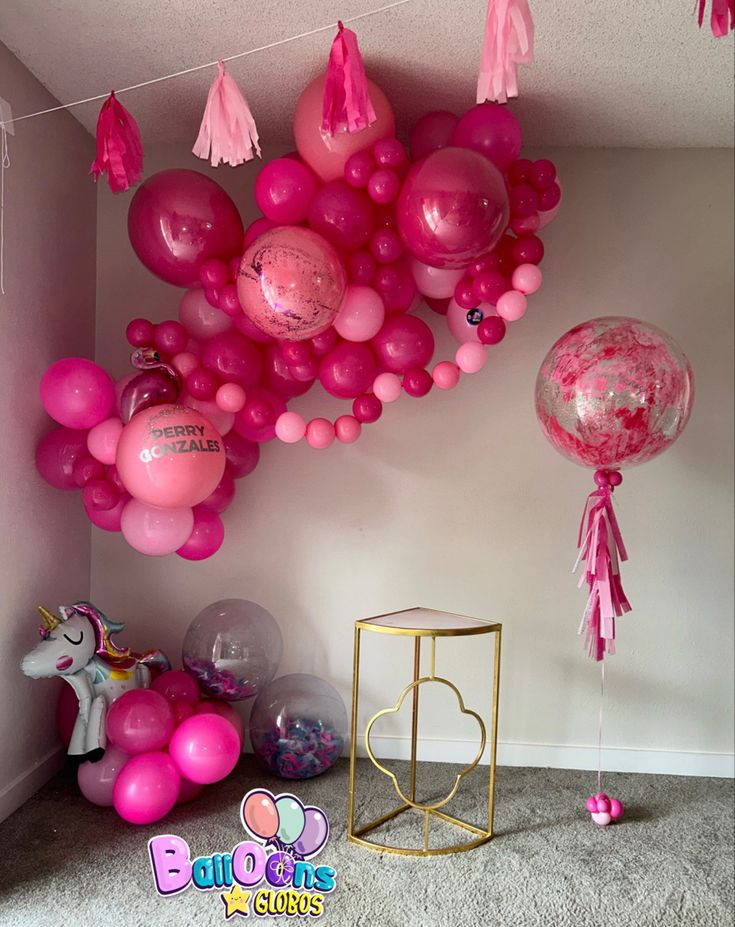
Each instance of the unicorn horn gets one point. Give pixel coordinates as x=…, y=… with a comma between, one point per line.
x=50, y=620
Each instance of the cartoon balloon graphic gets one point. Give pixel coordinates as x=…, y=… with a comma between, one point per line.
x=315, y=833
x=291, y=819
x=259, y=814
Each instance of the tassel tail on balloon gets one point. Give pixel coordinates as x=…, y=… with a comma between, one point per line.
x=228, y=133
x=119, y=149
x=601, y=549
x=508, y=42
x=347, y=103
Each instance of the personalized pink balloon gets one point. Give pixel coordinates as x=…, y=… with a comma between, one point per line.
x=291, y=283
x=180, y=218
x=170, y=456
x=77, y=393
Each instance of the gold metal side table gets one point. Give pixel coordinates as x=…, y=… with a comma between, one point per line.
x=420, y=623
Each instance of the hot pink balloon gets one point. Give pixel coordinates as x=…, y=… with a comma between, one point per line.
x=97, y=780
x=110, y=519
x=177, y=685
x=326, y=154
x=57, y=453
x=453, y=208
x=180, y=218
x=234, y=358
x=171, y=457
x=343, y=215
x=284, y=189
x=155, y=531
x=205, y=748
x=260, y=815
x=77, y=393
x=431, y=132
x=188, y=791
x=210, y=707
x=140, y=720
x=206, y=536
x=291, y=283
x=242, y=455
x=222, y=495
x=146, y=788
x=361, y=315
x=256, y=421
x=278, y=376
x=348, y=370
x=248, y=328
x=493, y=131
x=403, y=342
x=257, y=227
x=199, y=318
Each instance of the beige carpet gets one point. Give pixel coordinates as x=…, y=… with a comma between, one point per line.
x=65, y=863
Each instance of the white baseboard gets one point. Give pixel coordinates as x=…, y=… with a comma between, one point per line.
x=30, y=781
x=561, y=756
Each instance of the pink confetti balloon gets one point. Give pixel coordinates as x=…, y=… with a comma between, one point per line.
x=77, y=393
x=291, y=283
x=180, y=218
x=614, y=392
x=453, y=208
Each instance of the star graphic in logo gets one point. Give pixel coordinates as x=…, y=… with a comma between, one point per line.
x=235, y=901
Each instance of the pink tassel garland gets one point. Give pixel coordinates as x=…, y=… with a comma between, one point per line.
x=228, y=129
x=119, y=149
x=722, y=18
x=347, y=102
x=508, y=42
x=601, y=550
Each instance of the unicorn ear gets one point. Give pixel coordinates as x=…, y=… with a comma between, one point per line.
x=66, y=612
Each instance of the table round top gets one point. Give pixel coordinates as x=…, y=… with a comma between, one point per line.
x=426, y=622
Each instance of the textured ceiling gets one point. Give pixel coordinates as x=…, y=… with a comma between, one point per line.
x=620, y=73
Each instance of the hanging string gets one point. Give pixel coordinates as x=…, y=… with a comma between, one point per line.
x=210, y=64
x=599, y=727
x=4, y=165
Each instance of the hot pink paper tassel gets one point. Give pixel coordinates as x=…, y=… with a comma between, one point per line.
x=601, y=550
x=228, y=129
x=346, y=96
x=722, y=18
x=508, y=42
x=119, y=149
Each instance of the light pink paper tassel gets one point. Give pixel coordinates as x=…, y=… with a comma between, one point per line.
x=346, y=96
x=508, y=42
x=227, y=133
x=722, y=18
x=119, y=149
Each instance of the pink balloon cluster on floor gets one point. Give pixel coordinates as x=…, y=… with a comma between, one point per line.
x=355, y=235
x=604, y=810
x=164, y=746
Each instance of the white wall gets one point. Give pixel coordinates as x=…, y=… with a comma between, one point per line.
x=457, y=502
x=47, y=312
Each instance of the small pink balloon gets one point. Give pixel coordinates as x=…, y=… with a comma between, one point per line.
x=77, y=393
x=110, y=519
x=100, y=496
x=348, y=369
x=616, y=809
x=177, y=685
x=361, y=315
x=182, y=711
x=206, y=536
x=471, y=357
x=591, y=804
x=185, y=362
x=205, y=748
x=290, y=427
x=57, y=453
x=284, y=378
x=222, y=495
x=527, y=278
x=387, y=387
x=155, y=531
x=97, y=780
x=512, y=306
x=146, y=788
x=319, y=433
x=445, y=375
x=602, y=818
x=242, y=455
x=199, y=318
x=140, y=720
x=431, y=132
x=464, y=324
x=103, y=439
x=228, y=712
x=603, y=805
x=255, y=229
x=284, y=189
x=347, y=429
x=230, y=397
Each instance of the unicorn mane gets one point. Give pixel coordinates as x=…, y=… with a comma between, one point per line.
x=119, y=658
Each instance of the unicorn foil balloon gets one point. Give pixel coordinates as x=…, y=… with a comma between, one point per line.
x=77, y=645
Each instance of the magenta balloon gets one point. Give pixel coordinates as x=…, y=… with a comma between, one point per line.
x=140, y=720
x=205, y=748
x=77, y=393
x=431, y=132
x=284, y=188
x=260, y=815
x=180, y=218
x=109, y=519
x=223, y=494
x=210, y=707
x=278, y=377
x=206, y=536
x=493, y=131
x=248, y=328
x=148, y=388
x=402, y=343
x=453, y=208
x=56, y=454
x=146, y=788
x=177, y=685
x=234, y=358
x=343, y=215
x=291, y=283
x=348, y=370
x=256, y=421
x=242, y=455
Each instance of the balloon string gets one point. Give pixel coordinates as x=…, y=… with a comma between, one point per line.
x=210, y=64
x=599, y=727
x=4, y=165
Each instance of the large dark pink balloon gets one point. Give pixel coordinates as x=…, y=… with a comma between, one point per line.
x=402, y=343
x=344, y=216
x=56, y=454
x=493, y=131
x=180, y=218
x=348, y=370
x=242, y=455
x=453, y=208
x=234, y=358
x=431, y=132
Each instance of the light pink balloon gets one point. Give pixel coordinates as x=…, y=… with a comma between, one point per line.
x=155, y=531
x=199, y=318
x=512, y=306
x=387, y=387
x=471, y=357
x=361, y=315
x=103, y=439
x=97, y=780
x=77, y=393
x=347, y=429
x=231, y=397
x=320, y=433
x=205, y=748
x=527, y=278
x=220, y=420
x=445, y=375
x=185, y=362
x=290, y=427
x=325, y=154
x=435, y=282
x=170, y=456
x=550, y=214
x=146, y=788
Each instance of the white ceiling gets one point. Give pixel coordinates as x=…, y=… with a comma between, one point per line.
x=636, y=73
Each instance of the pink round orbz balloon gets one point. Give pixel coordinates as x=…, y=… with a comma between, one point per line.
x=205, y=748
x=614, y=392
x=97, y=780
x=140, y=720
x=453, y=208
x=170, y=456
x=77, y=393
x=326, y=154
x=291, y=283
x=146, y=788
x=180, y=218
